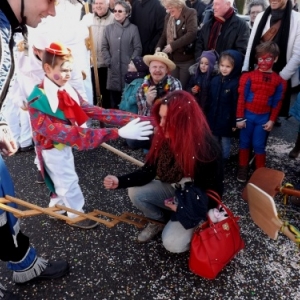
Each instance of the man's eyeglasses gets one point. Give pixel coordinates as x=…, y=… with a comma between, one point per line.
x=118, y=11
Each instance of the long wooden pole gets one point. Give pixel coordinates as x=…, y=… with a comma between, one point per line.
x=122, y=154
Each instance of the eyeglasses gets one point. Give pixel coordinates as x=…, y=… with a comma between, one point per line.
x=118, y=11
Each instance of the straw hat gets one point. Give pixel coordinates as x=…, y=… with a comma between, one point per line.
x=159, y=56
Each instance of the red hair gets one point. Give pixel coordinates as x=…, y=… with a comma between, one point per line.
x=189, y=135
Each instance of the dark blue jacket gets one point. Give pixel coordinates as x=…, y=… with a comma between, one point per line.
x=223, y=98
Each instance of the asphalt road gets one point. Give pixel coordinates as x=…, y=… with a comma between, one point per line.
x=107, y=263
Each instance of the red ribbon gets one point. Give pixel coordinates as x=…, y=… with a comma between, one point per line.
x=71, y=108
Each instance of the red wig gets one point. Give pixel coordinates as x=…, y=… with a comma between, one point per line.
x=189, y=135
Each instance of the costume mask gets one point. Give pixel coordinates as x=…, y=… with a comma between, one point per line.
x=265, y=62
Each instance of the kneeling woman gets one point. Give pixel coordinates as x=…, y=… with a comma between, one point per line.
x=183, y=150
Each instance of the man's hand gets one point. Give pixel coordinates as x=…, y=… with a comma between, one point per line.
x=136, y=130
x=111, y=182
x=151, y=94
x=268, y=126
x=8, y=145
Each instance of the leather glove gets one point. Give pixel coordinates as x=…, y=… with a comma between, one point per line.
x=8, y=145
x=136, y=130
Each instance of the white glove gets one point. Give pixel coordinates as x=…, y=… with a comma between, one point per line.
x=136, y=130
x=8, y=145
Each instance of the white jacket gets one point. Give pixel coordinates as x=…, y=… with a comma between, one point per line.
x=290, y=71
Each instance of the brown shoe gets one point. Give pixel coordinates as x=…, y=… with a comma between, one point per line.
x=242, y=174
x=85, y=224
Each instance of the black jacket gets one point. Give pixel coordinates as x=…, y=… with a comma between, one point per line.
x=148, y=16
x=234, y=35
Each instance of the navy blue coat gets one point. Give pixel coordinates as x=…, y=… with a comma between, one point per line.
x=222, y=100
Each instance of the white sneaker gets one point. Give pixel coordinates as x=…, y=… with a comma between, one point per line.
x=149, y=232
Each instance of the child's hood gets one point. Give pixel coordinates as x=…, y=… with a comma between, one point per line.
x=238, y=58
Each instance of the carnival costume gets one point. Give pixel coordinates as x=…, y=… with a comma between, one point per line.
x=58, y=116
x=260, y=100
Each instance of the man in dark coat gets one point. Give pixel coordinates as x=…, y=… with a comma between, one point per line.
x=148, y=16
x=224, y=31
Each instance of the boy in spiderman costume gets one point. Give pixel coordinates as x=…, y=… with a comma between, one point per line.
x=58, y=117
x=260, y=98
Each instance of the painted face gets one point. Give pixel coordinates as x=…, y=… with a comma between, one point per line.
x=254, y=11
x=100, y=7
x=120, y=13
x=204, y=65
x=163, y=112
x=61, y=73
x=36, y=10
x=278, y=4
x=265, y=62
x=158, y=71
x=220, y=7
x=174, y=11
x=225, y=67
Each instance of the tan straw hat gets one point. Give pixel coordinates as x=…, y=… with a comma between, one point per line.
x=159, y=56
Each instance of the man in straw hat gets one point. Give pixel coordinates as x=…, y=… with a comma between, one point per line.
x=156, y=85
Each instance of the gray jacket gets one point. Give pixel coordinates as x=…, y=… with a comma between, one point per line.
x=120, y=44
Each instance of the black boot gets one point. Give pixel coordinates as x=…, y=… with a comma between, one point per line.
x=296, y=150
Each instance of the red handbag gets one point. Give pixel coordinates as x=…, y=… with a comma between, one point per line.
x=214, y=245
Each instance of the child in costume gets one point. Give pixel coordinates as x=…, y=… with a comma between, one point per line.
x=58, y=116
x=134, y=78
x=199, y=82
x=223, y=99
x=260, y=98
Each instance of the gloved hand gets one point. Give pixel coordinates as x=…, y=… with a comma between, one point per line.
x=136, y=130
x=8, y=145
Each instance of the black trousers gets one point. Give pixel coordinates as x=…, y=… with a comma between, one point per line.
x=102, y=74
x=8, y=250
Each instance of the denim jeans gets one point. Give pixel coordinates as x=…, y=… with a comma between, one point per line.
x=225, y=143
x=150, y=200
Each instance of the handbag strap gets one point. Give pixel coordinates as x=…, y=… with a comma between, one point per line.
x=216, y=197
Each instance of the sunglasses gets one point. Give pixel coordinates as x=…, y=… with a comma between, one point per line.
x=118, y=11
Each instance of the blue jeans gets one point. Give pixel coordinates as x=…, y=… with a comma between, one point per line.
x=225, y=143
x=150, y=200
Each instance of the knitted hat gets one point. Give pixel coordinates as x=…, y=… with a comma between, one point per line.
x=58, y=49
x=212, y=57
x=140, y=65
x=159, y=56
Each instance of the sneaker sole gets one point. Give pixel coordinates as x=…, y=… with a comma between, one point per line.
x=84, y=227
x=240, y=180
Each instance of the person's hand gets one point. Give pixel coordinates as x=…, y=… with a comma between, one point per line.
x=167, y=49
x=8, y=145
x=111, y=182
x=195, y=89
x=171, y=204
x=268, y=126
x=241, y=124
x=136, y=130
x=151, y=95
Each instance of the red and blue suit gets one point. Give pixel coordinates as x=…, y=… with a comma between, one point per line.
x=260, y=100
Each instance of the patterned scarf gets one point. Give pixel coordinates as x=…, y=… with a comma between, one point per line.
x=171, y=30
x=216, y=28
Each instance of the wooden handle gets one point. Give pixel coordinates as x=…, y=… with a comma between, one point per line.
x=288, y=191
